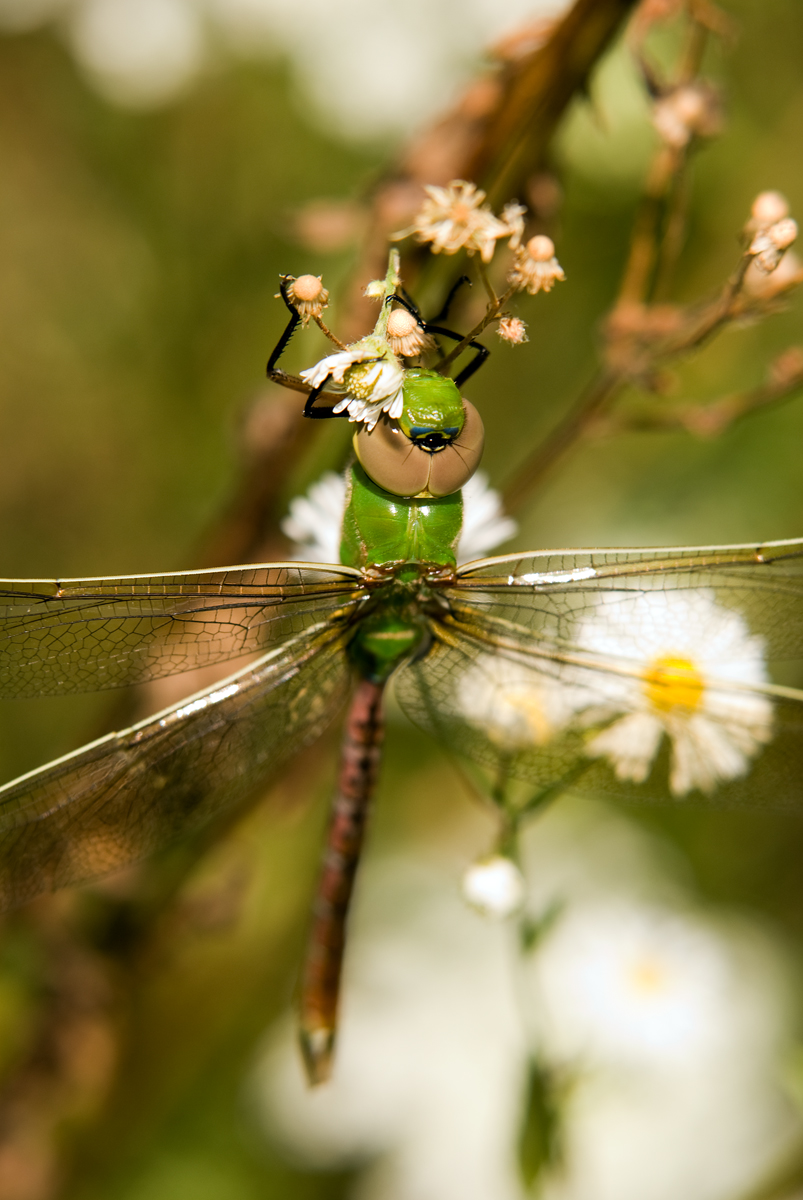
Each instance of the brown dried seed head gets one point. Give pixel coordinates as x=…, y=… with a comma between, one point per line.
x=769, y=207
x=541, y=248
x=307, y=288
x=512, y=329
x=401, y=323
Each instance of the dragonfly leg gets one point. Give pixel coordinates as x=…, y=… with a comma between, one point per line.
x=320, y=984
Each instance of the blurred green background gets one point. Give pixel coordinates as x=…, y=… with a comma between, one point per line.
x=139, y=254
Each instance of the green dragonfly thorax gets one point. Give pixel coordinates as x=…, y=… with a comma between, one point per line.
x=382, y=528
x=394, y=624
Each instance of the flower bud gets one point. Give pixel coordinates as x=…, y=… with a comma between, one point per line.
x=769, y=207
x=494, y=886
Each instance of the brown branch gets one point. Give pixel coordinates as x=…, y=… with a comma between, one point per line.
x=710, y=420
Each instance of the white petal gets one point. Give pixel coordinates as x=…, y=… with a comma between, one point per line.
x=630, y=744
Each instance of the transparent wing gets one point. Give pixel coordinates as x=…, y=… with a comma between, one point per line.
x=120, y=797
x=663, y=674
x=85, y=634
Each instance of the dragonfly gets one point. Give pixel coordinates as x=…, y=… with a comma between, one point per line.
x=666, y=674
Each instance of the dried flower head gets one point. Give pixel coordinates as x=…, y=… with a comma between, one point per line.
x=535, y=266
x=513, y=330
x=788, y=274
x=768, y=246
x=375, y=289
x=513, y=216
x=307, y=295
x=768, y=207
x=405, y=335
x=692, y=110
x=455, y=218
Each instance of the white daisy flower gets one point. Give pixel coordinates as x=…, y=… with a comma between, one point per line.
x=688, y=649
x=314, y=522
x=369, y=374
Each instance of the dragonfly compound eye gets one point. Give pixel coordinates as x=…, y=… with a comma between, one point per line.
x=421, y=462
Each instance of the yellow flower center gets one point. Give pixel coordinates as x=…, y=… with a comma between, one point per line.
x=648, y=976
x=673, y=683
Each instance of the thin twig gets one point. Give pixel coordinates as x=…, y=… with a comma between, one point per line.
x=492, y=312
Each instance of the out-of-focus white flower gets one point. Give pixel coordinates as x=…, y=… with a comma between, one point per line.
x=494, y=886
x=370, y=375
x=338, y=55
x=430, y=1056
x=513, y=704
x=314, y=522
x=627, y=983
x=686, y=650
x=308, y=295
x=485, y=525
x=455, y=218
x=139, y=52
x=535, y=266
x=670, y=1027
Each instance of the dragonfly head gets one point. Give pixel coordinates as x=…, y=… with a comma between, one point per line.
x=434, y=447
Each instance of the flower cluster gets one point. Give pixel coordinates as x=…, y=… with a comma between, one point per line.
x=456, y=218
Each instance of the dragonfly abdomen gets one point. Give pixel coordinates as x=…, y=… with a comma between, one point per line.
x=320, y=987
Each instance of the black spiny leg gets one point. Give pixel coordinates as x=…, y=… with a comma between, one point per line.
x=482, y=352
x=273, y=372
x=320, y=414
x=479, y=358
x=294, y=381
x=447, y=304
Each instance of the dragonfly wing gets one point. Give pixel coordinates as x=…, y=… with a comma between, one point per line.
x=86, y=634
x=548, y=592
x=651, y=674
x=123, y=796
